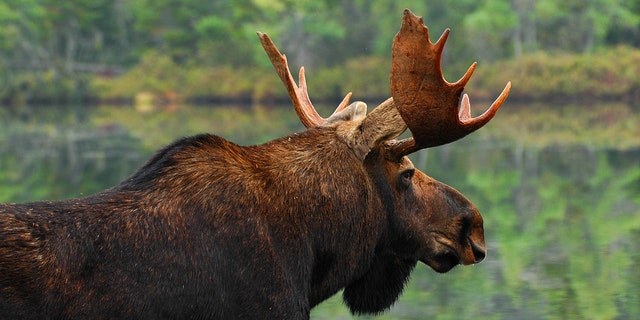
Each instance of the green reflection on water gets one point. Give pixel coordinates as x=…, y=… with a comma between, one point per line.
x=559, y=190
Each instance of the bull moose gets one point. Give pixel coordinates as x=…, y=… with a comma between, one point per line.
x=207, y=229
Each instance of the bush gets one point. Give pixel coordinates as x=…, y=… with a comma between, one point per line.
x=603, y=74
x=155, y=73
x=366, y=77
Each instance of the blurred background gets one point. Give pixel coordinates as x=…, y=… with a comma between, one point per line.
x=90, y=88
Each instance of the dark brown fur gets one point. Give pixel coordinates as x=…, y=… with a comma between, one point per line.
x=209, y=229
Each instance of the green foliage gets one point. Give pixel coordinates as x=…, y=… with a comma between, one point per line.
x=366, y=77
x=155, y=73
x=486, y=34
x=88, y=39
x=160, y=75
x=603, y=74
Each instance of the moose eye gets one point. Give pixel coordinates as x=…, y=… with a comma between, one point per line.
x=405, y=178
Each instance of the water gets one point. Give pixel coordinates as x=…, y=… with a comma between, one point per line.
x=558, y=186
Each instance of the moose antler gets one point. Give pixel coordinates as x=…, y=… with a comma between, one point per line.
x=299, y=95
x=429, y=105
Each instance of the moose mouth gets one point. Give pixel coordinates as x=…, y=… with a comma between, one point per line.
x=443, y=262
x=446, y=257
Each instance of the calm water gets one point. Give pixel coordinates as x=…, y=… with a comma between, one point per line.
x=558, y=186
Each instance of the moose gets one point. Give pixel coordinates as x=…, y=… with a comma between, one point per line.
x=208, y=229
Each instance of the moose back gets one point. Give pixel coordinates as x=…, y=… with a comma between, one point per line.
x=210, y=229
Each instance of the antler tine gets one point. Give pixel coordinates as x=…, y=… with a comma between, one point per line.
x=476, y=123
x=300, y=97
x=429, y=105
x=466, y=77
x=298, y=93
x=344, y=103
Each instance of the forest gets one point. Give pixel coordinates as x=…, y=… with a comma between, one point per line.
x=108, y=50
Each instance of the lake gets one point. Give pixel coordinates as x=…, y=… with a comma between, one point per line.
x=558, y=186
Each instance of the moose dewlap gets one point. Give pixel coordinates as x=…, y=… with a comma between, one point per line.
x=210, y=229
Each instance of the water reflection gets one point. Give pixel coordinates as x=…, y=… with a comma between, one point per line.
x=562, y=222
x=562, y=216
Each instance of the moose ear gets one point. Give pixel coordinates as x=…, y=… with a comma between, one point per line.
x=353, y=112
x=382, y=124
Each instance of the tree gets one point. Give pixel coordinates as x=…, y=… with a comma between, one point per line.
x=581, y=26
x=490, y=29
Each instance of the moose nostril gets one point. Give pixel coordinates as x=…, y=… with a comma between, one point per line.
x=479, y=253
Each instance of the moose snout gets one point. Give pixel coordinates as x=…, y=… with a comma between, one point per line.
x=473, y=253
x=475, y=239
x=479, y=251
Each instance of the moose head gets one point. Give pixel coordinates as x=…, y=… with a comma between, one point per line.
x=445, y=226
x=427, y=220
x=212, y=230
